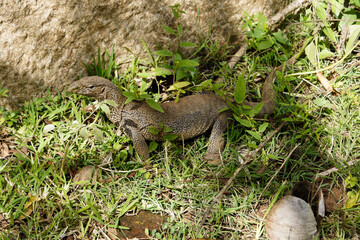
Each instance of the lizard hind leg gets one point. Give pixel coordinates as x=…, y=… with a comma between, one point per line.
x=216, y=140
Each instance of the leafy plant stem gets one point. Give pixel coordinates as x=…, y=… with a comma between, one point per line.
x=328, y=67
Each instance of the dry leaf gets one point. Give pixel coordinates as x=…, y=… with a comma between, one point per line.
x=112, y=233
x=4, y=150
x=89, y=108
x=28, y=207
x=324, y=82
x=86, y=174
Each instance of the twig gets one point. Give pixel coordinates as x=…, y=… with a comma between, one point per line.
x=327, y=20
x=295, y=5
x=128, y=171
x=334, y=169
x=276, y=173
x=248, y=159
x=237, y=55
x=328, y=67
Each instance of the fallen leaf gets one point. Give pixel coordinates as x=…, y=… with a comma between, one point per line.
x=262, y=169
x=28, y=207
x=113, y=233
x=89, y=108
x=4, y=150
x=3, y=222
x=47, y=121
x=324, y=82
x=85, y=175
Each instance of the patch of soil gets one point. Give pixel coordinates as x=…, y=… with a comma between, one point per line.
x=138, y=223
x=334, y=199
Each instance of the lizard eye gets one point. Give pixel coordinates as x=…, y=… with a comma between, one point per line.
x=91, y=86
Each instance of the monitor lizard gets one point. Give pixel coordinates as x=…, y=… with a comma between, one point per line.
x=189, y=117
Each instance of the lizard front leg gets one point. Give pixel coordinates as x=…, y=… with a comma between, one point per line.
x=140, y=145
x=216, y=140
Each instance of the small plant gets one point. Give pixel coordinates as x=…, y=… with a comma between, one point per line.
x=3, y=92
x=353, y=193
x=174, y=63
x=104, y=66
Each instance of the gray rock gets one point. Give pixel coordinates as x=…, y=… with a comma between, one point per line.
x=44, y=43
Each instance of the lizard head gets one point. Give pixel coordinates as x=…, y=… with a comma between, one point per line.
x=94, y=86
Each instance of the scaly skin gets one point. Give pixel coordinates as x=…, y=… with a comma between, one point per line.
x=189, y=117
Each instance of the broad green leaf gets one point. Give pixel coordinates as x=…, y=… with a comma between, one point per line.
x=188, y=44
x=170, y=136
x=180, y=74
x=153, y=130
x=145, y=75
x=129, y=94
x=287, y=119
x=279, y=36
x=178, y=85
x=336, y=7
x=351, y=181
x=259, y=33
x=129, y=100
x=168, y=129
x=264, y=44
x=256, y=135
x=272, y=156
x=169, y=30
x=111, y=102
x=105, y=108
x=154, y=105
x=352, y=199
x=162, y=71
x=164, y=53
x=246, y=107
x=177, y=58
x=206, y=83
x=243, y=122
x=117, y=146
x=310, y=52
x=179, y=30
x=263, y=127
x=262, y=21
x=256, y=109
x=240, y=89
x=320, y=102
x=84, y=133
x=320, y=11
x=152, y=146
x=330, y=33
x=353, y=38
x=325, y=54
x=98, y=134
x=188, y=63
x=147, y=175
x=252, y=145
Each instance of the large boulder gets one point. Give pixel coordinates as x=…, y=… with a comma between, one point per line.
x=43, y=44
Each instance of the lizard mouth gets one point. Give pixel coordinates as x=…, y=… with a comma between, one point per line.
x=74, y=87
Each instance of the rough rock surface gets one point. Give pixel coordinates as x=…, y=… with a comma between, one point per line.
x=43, y=44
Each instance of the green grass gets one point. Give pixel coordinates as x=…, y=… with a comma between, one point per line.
x=40, y=200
